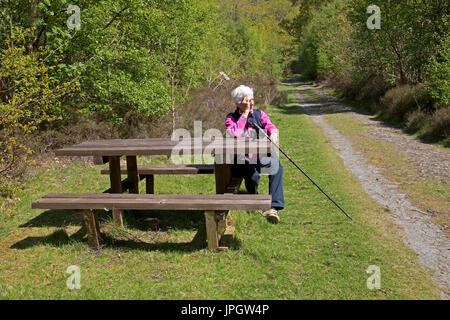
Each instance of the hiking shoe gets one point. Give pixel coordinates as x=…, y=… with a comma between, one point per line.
x=271, y=215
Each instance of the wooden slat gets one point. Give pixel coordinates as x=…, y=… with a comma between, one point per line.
x=156, y=202
x=225, y=146
x=135, y=142
x=169, y=169
x=149, y=142
x=151, y=151
x=153, y=204
x=156, y=196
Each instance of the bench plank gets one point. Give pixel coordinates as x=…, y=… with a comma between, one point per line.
x=150, y=204
x=163, y=196
x=226, y=146
x=168, y=169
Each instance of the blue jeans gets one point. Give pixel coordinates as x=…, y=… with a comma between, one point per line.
x=251, y=175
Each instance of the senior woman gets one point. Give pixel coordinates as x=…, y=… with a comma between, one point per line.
x=238, y=124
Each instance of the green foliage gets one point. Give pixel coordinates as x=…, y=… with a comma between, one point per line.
x=130, y=59
x=325, y=45
x=410, y=51
x=143, y=57
x=258, y=34
x=305, y=9
x=410, y=32
x=28, y=98
x=438, y=74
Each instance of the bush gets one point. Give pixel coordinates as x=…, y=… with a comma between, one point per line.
x=367, y=89
x=439, y=126
x=29, y=96
x=212, y=105
x=404, y=99
x=416, y=120
x=57, y=135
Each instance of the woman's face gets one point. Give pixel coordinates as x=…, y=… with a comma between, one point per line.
x=247, y=103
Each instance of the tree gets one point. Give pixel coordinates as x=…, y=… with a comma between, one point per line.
x=181, y=30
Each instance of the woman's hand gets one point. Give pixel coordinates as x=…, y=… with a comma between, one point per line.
x=246, y=106
x=274, y=137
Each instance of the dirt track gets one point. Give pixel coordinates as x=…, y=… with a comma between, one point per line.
x=425, y=237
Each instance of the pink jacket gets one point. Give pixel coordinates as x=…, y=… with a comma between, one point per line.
x=235, y=128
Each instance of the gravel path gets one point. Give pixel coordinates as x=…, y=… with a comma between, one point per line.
x=426, y=238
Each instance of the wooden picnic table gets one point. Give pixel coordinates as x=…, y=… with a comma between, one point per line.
x=215, y=206
x=112, y=150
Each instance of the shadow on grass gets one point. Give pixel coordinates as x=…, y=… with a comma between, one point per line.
x=154, y=222
x=54, y=218
x=55, y=239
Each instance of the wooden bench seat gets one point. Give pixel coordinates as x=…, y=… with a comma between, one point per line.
x=215, y=202
x=214, y=206
x=169, y=169
x=148, y=172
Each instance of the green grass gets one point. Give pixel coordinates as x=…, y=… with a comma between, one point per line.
x=314, y=253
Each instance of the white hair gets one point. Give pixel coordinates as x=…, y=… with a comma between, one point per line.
x=240, y=92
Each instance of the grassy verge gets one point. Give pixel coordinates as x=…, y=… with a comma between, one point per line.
x=314, y=253
x=428, y=131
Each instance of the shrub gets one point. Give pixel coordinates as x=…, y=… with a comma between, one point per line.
x=212, y=105
x=29, y=96
x=367, y=88
x=404, y=99
x=439, y=126
x=416, y=120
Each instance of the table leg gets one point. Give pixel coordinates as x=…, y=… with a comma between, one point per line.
x=133, y=177
x=92, y=228
x=224, y=184
x=150, y=184
x=211, y=230
x=222, y=173
x=116, y=185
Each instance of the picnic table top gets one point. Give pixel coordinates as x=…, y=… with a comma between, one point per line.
x=165, y=146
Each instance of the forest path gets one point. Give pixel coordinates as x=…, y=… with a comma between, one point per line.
x=429, y=239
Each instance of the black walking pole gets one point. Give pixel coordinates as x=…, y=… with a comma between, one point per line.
x=298, y=167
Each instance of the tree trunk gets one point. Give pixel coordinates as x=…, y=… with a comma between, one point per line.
x=32, y=17
x=173, y=102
